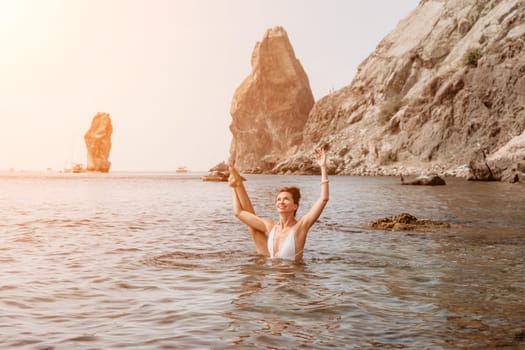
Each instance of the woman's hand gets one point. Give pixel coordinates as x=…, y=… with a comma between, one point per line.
x=235, y=179
x=321, y=157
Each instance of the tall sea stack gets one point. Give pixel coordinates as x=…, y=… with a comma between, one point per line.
x=271, y=106
x=98, y=143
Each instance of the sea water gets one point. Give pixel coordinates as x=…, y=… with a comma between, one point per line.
x=158, y=261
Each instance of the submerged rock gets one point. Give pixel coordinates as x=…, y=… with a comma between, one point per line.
x=433, y=180
x=98, y=143
x=407, y=222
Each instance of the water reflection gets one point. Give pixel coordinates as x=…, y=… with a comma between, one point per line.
x=464, y=291
x=482, y=289
x=153, y=262
x=281, y=304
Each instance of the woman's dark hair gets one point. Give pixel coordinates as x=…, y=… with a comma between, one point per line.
x=296, y=195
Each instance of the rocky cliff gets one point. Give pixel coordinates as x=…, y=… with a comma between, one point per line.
x=447, y=85
x=271, y=106
x=98, y=143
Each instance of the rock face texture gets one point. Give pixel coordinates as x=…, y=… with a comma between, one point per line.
x=270, y=107
x=98, y=143
x=447, y=82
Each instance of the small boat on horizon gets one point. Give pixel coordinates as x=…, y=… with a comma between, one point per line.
x=75, y=168
x=181, y=170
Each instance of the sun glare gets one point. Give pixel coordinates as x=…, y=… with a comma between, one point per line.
x=9, y=11
x=15, y=22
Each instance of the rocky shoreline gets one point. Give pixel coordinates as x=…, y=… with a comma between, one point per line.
x=443, y=93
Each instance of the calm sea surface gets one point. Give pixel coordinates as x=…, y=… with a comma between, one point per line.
x=158, y=261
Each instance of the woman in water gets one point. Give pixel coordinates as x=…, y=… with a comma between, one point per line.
x=285, y=238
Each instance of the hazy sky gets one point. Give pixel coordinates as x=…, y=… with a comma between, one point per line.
x=165, y=71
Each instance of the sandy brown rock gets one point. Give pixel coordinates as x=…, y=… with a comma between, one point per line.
x=507, y=164
x=218, y=173
x=407, y=222
x=479, y=168
x=98, y=143
x=270, y=107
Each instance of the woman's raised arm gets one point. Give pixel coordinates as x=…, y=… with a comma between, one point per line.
x=248, y=218
x=243, y=209
x=315, y=211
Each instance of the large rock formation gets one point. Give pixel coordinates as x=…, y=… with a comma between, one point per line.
x=447, y=82
x=98, y=143
x=271, y=106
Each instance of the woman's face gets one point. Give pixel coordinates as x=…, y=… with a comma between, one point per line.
x=285, y=203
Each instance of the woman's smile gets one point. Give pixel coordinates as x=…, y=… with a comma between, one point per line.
x=285, y=201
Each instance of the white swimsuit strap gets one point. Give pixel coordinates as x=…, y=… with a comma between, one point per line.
x=270, y=243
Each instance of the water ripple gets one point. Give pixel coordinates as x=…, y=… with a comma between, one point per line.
x=87, y=265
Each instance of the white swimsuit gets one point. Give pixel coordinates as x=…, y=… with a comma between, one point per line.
x=287, y=249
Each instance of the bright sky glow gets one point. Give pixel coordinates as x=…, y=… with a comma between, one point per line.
x=165, y=71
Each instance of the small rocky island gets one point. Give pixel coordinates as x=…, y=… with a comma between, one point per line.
x=218, y=173
x=98, y=143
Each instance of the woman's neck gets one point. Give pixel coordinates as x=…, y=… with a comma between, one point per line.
x=286, y=221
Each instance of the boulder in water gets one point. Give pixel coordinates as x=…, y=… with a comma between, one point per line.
x=407, y=222
x=432, y=180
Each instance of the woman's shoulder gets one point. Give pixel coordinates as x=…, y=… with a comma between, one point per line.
x=269, y=223
x=301, y=224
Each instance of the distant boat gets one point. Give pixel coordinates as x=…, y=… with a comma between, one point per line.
x=77, y=168
x=181, y=170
